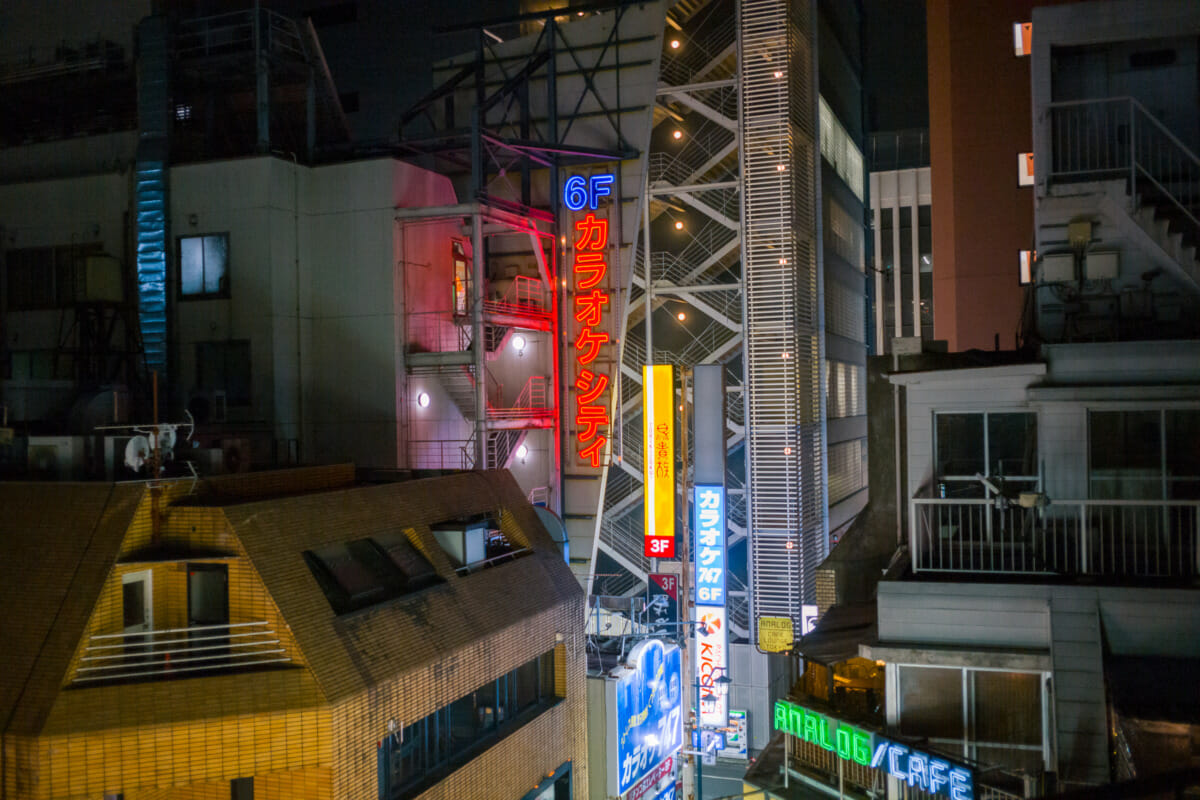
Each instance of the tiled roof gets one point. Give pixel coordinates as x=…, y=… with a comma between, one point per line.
x=58, y=542
x=357, y=650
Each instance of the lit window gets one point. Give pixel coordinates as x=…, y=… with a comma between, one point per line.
x=204, y=266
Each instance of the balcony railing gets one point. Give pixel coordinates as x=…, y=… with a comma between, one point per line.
x=1118, y=538
x=179, y=651
x=1118, y=138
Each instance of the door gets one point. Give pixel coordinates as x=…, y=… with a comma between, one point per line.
x=208, y=610
x=137, y=611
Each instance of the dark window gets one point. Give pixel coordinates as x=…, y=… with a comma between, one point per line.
x=1001, y=446
x=1149, y=59
x=349, y=101
x=414, y=758
x=204, y=266
x=1144, y=455
x=338, y=14
x=241, y=789
x=906, y=272
x=364, y=572
x=46, y=277
x=224, y=367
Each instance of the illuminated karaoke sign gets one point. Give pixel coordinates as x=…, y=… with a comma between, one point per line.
x=592, y=288
x=645, y=714
x=919, y=769
x=709, y=503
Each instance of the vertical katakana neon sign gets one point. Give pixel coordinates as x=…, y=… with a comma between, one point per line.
x=592, y=300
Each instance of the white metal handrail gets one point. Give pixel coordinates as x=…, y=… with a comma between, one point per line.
x=1119, y=137
x=1126, y=538
x=165, y=652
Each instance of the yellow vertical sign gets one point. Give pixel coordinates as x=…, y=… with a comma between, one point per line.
x=658, y=457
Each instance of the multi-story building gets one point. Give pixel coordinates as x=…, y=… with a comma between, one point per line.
x=1050, y=498
x=295, y=633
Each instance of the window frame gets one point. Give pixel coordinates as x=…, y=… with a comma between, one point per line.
x=224, y=292
x=1164, y=479
x=938, y=478
x=969, y=744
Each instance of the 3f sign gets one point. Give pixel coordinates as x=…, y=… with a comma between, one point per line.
x=580, y=191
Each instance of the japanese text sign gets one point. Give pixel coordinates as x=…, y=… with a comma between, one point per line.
x=709, y=504
x=712, y=662
x=645, y=713
x=592, y=313
x=658, y=456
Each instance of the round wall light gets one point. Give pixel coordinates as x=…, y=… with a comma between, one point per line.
x=423, y=399
x=522, y=452
x=518, y=343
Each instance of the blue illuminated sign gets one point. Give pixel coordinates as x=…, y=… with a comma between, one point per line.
x=649, y=711
x=709, y=502
x=580, y=191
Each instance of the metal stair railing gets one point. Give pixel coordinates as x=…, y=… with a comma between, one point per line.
x=702, y=143
x=1117, y=137
x=686, y=64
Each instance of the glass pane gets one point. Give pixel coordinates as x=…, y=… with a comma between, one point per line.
x=1008, y=708
x=1183, y=455
x=527, y=685
x=931, y=702
x=216, y=254
x=353, y=577
x=464, y=725
x=906, y=271
x=407, y=559
x=237, y=373
x=191, y=266
x=491, y=713
x=134, y=603
x=1012, y=444
x=960, y=444
x=1125, y=454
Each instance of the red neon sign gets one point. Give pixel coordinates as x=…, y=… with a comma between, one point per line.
x=591, y=310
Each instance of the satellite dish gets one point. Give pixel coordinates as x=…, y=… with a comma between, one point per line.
x=137, y=450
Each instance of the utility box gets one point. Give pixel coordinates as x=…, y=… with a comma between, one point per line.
x=1102, y=265
x=1058, y=268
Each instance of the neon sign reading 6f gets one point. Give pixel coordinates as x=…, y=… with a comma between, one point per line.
x=580, y=191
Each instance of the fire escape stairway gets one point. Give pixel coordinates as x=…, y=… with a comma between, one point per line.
x=1150, y=179
x=705, y=161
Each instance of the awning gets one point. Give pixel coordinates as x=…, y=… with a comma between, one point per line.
x=839, y=633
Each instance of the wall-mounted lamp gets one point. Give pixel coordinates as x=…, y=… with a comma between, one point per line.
x=518, y=343
x=423, y=399
x=523, y=452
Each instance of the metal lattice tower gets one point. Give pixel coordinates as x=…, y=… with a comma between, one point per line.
x=784, y=343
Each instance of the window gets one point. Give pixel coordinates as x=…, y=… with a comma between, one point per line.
x=847, y=469
x=1144, y=455
x=989, y=716
x=241, y=789
x=204, y=266
x=224, y=367
x=421, y=754
x=1000, y=446
x=364, y=572
x=46, y=277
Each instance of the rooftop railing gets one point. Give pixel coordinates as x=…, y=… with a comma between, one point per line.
x=1114, y=538
x=179, y=651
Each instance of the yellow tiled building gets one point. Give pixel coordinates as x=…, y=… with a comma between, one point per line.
x=290, y=634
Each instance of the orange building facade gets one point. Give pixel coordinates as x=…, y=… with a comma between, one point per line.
x=293, y=634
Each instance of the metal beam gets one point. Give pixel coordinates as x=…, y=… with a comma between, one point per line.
x=705, y=208
x=694, y=187
x=696, y=87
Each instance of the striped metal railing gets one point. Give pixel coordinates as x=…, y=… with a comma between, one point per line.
x=1117, y=538
x=179, y=651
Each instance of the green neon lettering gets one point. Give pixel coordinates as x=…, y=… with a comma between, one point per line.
x=781, y=716
x=823, y=730
x=843, y=742
x=811, y=721
x=862, y=747
x=796, y=721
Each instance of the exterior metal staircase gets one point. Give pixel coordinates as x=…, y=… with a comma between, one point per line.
x=1118, y=139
